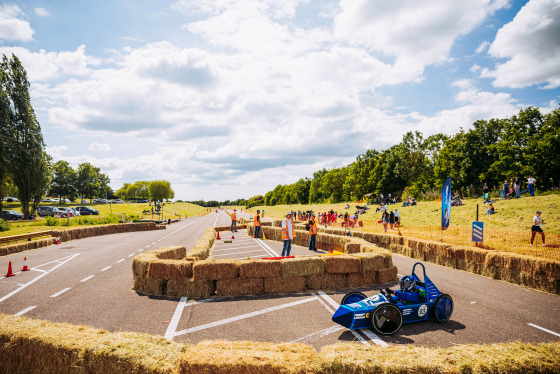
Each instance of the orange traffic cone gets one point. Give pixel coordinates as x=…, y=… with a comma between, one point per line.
x=10, y=273
x=233, y=237
x=57, y=240
x=25, y=268
x=218, y=237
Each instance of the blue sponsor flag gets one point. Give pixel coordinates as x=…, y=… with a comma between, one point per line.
x=478, y=232
x=445, y=203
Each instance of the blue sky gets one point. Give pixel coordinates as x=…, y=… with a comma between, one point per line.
x=229, y=98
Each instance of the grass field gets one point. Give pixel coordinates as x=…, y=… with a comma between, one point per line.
x=509, y=229
x=108, y=213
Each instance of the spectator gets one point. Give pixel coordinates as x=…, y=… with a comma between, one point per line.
x=485, y=191
x=391, y=219
x=517, y=184
x=537, y=227
x=490, y=209
x=505, y=188
x=397, y=216
x=287, y=234
x=531, y=182
x=385, y=220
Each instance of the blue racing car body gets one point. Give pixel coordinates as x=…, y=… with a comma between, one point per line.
x=388, y=310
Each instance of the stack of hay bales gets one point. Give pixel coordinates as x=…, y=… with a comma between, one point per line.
x=201, y=250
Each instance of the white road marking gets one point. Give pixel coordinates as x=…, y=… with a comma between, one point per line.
x=244, y=316
x=321, y=333
x=545, y=330
x=373, y=337
x=68, y=258
x=121, y=260
x=87, y=278
x=267, y=248
x=170, y=333
x=40, y=270
x=132, y=254
x=153, y=243
x=25, y=311
x=107, y=268
x=140, y=250
x=61, y=292
x=216, y=220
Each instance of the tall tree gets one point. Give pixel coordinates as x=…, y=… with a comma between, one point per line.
x=25, y=148
x=41, y=180
x=63, y=180
x=160, y=190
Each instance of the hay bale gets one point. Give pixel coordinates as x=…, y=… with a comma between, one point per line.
x=190, y=288
x=247, y=358
x=302, y=266
x=171, y=253
x=284, y=285
x=362, y=279
x=170, y=269
x=342, y=264
x=215, y=269
x=148, y=286
x=260, y=268
x=352, y=248
x=326, y=282
x=239, y=286
x=371, y=261
x=388, y=275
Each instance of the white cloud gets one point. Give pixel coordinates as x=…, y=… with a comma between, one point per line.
x=43, y=65
x=99, y=147
x=483, y=46
x=41, y=12
x=413, y=33
x=12, y=27
x=531, y=43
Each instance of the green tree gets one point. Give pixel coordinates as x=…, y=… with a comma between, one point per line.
x=41, y=180
x=160, y=190
x=91, y=182
x=26, y=146
x=140, y=189
x=63, y=180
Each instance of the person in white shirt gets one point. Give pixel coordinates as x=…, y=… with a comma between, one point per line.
x=537, y=227
x=287, y=234
x=397, y=217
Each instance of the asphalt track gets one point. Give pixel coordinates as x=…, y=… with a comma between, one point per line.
x=89, y=281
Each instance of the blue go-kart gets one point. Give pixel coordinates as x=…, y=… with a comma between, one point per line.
x=385, y=312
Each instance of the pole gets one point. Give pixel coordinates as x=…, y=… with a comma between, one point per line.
x=476, y=212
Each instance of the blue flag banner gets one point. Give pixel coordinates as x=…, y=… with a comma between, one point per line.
x=478, y=232
x=445, y=203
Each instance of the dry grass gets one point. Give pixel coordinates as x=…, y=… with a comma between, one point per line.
x=36, y=346
x=260, y=268
x=303, y=266
x=284, y=285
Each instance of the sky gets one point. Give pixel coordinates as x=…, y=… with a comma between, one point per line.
x=226, y=99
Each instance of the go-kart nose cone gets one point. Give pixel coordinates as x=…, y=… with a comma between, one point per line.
x=344, y=316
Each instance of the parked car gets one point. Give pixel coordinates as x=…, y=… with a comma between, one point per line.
x=48, y=200
x=142, y=201
x=86, y=210
x=43, y=211
x=100, y=201
x=119, y=201
x=69, y=212
x=11, y=199
x=11, y=215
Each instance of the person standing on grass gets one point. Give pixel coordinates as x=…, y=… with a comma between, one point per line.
x=517, y=187
x=312, y=233
x=257, y=224
x=391, y=219
x=287, y=234
x=397, y=216
x=531, y=184
x=505, y=187
x=385, y=220
x=234, y=221
x=537, y=227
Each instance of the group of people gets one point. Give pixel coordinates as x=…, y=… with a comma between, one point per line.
x=288, y=233
x=391, y=219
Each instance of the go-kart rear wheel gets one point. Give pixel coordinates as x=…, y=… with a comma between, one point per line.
x=443, y=308
x=352, y=297
x=386, y=319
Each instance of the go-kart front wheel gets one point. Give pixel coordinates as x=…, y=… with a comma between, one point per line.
x=386, y=319
x=443, y=308
x=352, y=297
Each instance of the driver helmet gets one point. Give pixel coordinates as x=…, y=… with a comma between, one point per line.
x=407, y=283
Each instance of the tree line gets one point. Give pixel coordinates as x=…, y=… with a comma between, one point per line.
x=155, y=190
x=526, y=144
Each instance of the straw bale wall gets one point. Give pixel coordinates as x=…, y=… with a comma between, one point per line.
x=174, y=271
x=32, y=346
x=79, y=233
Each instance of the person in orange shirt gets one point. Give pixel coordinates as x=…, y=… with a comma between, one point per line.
x=312, y=233
x=234, y=221
x=287, y=234
x=257, y=224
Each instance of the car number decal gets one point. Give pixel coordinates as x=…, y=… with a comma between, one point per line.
x=422, y=310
